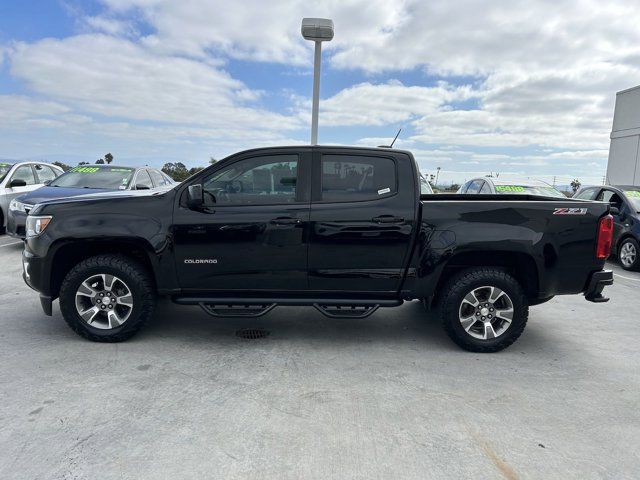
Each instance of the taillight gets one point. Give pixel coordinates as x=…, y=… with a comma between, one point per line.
x=605, y=237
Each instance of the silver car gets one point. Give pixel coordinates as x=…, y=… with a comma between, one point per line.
x=18, y=178
x=512, y=186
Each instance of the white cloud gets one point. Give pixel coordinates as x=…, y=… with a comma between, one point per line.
x=114, y=77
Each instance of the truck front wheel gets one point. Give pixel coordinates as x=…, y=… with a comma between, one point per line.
x=107, y=298
x=483, y=309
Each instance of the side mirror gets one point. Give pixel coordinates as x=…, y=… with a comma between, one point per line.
x=195, y=197
x=614, y=210
x=17, y=182
x=142, y=187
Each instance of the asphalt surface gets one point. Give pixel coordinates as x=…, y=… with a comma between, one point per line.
x=389, y=397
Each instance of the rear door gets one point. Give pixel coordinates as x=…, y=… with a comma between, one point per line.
x=362, y=220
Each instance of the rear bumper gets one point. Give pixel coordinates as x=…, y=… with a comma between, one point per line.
x=596, y=284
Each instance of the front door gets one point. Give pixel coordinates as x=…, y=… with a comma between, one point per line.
x=251, y=235
x=23, y=172
x=361, y=221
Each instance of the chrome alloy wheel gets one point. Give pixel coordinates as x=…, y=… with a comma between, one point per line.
x=104, y=301
x=486, y=312
x=628, y=254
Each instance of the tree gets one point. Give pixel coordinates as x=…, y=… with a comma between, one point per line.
x=108, y=158
x=575, y=185
x=100, y=161
x=178, y=171
x=63, y=166
x=212, y=160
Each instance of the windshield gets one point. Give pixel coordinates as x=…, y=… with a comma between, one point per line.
x=529, y=190
x=633, y=195
x=109, y=178
x=4, y=169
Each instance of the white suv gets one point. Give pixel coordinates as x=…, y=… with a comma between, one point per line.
x=17, y=178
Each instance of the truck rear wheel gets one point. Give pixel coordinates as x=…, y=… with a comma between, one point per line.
x=107, y=298
x=483, y=309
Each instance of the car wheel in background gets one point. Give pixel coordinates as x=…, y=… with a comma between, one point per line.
x=107, y=298
x=483, y=309
x=628, y=254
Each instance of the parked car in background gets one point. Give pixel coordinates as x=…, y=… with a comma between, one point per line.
x=522, y=186
x=18, y=178
x=83, y=180
x=625, y=208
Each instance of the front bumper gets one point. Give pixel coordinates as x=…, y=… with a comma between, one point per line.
x=596, y=284
x=16, y=222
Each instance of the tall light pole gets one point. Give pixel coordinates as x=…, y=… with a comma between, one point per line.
x=437, y=175
x=317, y=30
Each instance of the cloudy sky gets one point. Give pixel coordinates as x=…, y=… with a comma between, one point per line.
x=478, y=86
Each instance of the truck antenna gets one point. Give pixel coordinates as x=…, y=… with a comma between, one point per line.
x=394, y=140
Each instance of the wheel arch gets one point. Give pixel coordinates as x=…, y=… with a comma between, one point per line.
x=70, y=253
x=518, y=264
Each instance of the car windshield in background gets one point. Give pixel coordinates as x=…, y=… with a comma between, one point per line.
x=633, y=194
x=110, y=178
x=528, y=190
x=4, y=169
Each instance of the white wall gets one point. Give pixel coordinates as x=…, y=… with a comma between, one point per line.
x=623, y=166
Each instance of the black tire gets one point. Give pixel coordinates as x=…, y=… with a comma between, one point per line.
x=3, y=229
x=635, y=264
x=134, y=274
x=465, y=282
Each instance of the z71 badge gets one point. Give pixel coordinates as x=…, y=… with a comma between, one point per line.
x=570, y=211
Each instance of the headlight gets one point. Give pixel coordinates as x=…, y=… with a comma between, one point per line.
x=37, y=225
x=16, y=206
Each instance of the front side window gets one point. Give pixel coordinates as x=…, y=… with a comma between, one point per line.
x=347, y=178
x=143, y=181
x=264, y=180
x=45, y=173
x=24, y=173
x=485, y=188
x=109, y=178
x=475, y=186
x=158, y=179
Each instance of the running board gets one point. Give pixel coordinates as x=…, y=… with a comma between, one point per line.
x=255, y=307
x=346, y=311
x=226, y=310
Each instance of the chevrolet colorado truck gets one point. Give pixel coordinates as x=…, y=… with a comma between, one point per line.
x=345, y=230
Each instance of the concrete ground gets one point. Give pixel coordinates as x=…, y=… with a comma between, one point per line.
x=389, y=397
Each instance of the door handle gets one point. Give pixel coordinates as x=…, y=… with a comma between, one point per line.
x=286, y=221
x=387, y=219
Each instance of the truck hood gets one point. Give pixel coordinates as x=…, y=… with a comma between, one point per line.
x=50, y=193
x=99, y=195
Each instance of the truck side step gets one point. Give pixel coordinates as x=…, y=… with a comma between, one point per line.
x=226, y=310
x=346, y=311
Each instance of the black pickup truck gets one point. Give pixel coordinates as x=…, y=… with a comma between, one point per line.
x=345, y=230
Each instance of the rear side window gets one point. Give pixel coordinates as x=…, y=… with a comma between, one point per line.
x=348, y=178
x=587, y=194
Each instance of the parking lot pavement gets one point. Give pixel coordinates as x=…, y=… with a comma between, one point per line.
x=386, y=397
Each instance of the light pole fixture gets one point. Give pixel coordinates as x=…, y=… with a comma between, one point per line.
x=317, y=30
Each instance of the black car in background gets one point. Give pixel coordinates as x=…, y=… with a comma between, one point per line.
x=625, y=208
x=83, y=180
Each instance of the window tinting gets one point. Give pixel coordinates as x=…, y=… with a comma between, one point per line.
x=45, y=173
x=254, y=181
x=351, y=178
x=24, y=173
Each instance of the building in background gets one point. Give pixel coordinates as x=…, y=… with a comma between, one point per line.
x=623, y=167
